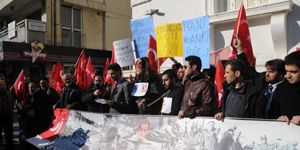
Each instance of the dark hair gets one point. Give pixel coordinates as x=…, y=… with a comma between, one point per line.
x=45, y=79
x=176, y=66
x=194, y=60
x=237, y=65
x=147, y=71
x=170, y=73
x=276, y=65
x=293, y=59
x=114, y=67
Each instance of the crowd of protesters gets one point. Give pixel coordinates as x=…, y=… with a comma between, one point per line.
x=273, y=94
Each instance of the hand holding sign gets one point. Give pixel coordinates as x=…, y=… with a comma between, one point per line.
x=139, y=89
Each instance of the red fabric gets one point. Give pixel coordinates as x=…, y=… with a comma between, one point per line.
x=241, y=29
x=222, y=54
x=80, y=72
x=152, y=55
x=90, y=72
x=219, y=79
x=19, y=87
x=106, y=77
x=61, y=117
x=55, y=79
x=298, y=49
x=113, y=57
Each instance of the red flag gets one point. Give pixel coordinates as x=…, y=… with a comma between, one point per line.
x=298, y=49
x=61, y=117
x=106, y=77
x=152, y=55
x=113, y=57
x=241, y=30
x=222, y=54
x=80, y=72
x=90, y=72
x=219, y=79
x=19, y=87
x=55, y=79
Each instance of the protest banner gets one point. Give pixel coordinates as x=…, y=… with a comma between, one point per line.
x=141, y=29
x=169, y=40
x=85, y=130
x=196, y=36
x=124, y=52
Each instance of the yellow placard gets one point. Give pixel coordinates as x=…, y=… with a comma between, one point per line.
x=169, y=40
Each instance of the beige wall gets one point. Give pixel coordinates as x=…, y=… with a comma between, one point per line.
x=117, y=21
x=92, y=28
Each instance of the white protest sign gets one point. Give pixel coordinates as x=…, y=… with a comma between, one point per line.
x=124, y=52
x=139, y=89
x=167, y=105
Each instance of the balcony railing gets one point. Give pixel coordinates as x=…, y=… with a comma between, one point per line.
x=26, y=31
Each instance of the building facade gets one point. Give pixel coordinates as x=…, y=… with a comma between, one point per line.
x=65, y=27
x=274, y=24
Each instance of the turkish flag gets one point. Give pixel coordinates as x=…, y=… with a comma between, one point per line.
x=106, y=76
x=90, y=72
x=222, y=54
x=80, y=72
x=55, y=79
x=219, y=79
x=241, y=30
x=61, y=117
x=19, y=87
x=155, y=62
x=113, y=57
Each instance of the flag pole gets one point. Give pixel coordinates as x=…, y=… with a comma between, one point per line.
x=158, y=66
x=79, y=57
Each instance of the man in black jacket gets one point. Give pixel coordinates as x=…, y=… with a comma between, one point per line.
x=174, y=91
x=71, y=94
x=288, y=95
x=121, y=100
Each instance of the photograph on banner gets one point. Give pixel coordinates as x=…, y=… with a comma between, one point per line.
x=124, y=52
x=85, y=130
x=141, y=29
x=196, y=37
x=169, y=40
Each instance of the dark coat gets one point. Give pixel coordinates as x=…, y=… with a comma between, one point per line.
x=255, y=101
x=122, y=101
x=74, y=98
x=286, y=101
x=199, y=97
x=155, y=90
x=176, y=93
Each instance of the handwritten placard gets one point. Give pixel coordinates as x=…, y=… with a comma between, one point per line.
x=169, y=40
x=196, y=36
x=141, y=29
x=124, y=52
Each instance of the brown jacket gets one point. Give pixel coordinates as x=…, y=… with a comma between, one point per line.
x=199, y=97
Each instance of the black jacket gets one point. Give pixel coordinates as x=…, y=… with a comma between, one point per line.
x=73, y=99
x=176, y=93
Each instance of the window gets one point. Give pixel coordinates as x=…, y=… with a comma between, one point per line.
x=231, y=5
x=71, y=26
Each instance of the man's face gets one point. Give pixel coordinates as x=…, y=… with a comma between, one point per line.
x=272, y=76
x=115, y=75
x=68, y=80
x=143, y=130
x=188, y=71
x=167, y=82
x=31, y=88
x=229, y=75
x=138, y=67
x=292, y=73
x=97, y=80
x=180, y=73
x=44, y=84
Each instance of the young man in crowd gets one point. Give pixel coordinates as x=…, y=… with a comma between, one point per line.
x=175, y=91
x=121, y=100
x=199, y=93
x=288, y=94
